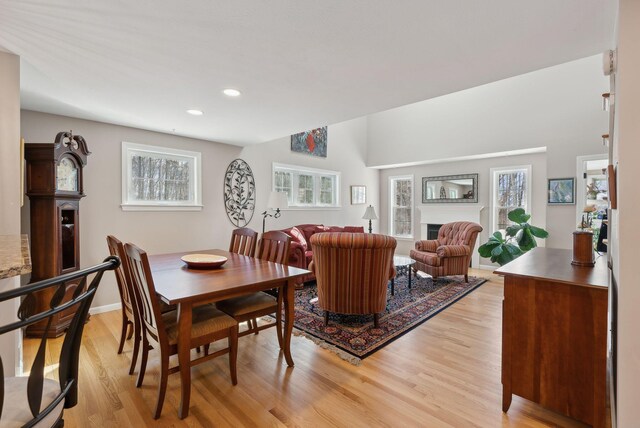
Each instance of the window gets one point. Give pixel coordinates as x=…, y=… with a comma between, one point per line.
x=401, y=206
x=160, y=178
x=307, y=187
x=453, y=193
x=511, y=188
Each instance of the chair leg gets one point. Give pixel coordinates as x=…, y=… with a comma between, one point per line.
x=326, y=317
x=376, y=320
x=255, y=326
x=279, y=324
x=466, y=277
x=206, y=349
x=123, y=333
x=143, y=361
x=130, y=330
x=136, y=348
x=233, y=353
x=162, y=386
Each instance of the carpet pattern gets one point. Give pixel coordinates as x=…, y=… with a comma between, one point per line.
x=408, y=308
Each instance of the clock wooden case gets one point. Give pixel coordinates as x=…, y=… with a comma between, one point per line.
x=54, y=188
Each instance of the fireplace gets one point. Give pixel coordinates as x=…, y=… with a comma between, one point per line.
x=432, y=230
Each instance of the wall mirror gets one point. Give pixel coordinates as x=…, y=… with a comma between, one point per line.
x=450, y=188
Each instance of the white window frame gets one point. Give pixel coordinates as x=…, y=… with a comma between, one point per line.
x=195, y=177
x=295, y=172
x=392, y=179
x=494, y=191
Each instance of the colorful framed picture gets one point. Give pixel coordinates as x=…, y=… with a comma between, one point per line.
x=358, y=195
x=561, y=191
x=313, y=142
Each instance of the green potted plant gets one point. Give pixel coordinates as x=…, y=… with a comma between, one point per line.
x=519, y=238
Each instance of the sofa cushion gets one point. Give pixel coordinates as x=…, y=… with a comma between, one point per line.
x=309, y=256
x=354, y=229
x=297, y=236
x=310, y=230
x=334, y=229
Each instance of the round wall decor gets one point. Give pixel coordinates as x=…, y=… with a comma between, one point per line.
x=239, y=193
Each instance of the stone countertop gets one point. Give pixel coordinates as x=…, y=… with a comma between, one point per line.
x=14, y=255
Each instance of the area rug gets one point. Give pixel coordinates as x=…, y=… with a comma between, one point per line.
x=353, y=337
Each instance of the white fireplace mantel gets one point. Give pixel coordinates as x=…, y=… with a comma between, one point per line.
x=447, y=213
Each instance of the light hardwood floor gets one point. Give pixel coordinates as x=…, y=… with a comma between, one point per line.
x=445, y=372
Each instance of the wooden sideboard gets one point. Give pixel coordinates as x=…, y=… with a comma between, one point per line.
x=554, y=334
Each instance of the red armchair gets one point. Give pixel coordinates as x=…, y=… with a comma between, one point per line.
x=450, y=253
x=353, y=270
x=300, y=252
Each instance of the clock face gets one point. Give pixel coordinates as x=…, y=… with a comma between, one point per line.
x=67, y=175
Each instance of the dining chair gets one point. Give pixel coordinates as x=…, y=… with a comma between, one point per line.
x=273, y=247
x=130, y=317
x=161, y=329
x=51, y=383
x=243, y=241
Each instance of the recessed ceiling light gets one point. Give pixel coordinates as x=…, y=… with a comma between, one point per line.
x=195, y=112
x=231, y=92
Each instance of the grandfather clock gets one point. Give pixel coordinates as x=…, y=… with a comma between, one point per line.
x=54, y=187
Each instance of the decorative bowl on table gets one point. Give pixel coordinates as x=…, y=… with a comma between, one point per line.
x=203, y=261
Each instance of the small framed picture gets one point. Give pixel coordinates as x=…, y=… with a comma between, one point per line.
x=561, y=191
x=358, y=195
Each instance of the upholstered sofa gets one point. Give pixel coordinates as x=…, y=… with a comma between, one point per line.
x=450, y=253
x=300, y=252
x=353, y=270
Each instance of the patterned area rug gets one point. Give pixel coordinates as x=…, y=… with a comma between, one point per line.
x=356, y=336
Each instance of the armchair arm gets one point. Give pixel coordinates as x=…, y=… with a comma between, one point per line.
x=427, y=245
x=392, y=271
x=312, y=267
x=296, y=255
x=453, y=250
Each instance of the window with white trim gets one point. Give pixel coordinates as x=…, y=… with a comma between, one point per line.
x=510, y=189
x=160, y=178
x=307, y=187
x=401, y=206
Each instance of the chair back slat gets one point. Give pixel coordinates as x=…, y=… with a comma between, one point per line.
x=142, y=280
x=123, y=277
x=243, y=241
x=274, y=247
x=69, y=355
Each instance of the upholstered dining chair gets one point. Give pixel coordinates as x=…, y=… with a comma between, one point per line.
x=273, y=247
x=450, y=254
x=243, y=241
x=161, y=329
x=130, y=317
x=36, y=400
x=352, y=272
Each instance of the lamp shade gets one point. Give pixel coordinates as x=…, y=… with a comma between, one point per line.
x=370, y=214
x=277, y=200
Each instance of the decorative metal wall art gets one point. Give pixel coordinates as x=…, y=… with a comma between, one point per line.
x=239, y=193
x=313, y=142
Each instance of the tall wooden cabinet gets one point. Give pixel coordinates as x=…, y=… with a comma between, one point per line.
x=554, y=334
x=55, y=187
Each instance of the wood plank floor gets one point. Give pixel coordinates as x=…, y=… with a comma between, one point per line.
x=444, y=373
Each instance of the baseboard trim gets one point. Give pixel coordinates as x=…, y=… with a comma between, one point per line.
x=105, y=308
x=487, y=267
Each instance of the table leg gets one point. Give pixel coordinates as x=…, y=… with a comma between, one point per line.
x=409, y=275
x=184, y=357
x=289, y=296
x=393, y=284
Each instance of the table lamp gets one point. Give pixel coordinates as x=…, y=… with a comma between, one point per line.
x=276, y=200
x=370, y=214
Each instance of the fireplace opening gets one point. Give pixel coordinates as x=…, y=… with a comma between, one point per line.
x=432, y=231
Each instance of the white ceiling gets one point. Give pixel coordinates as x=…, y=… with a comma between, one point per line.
x=300, y=64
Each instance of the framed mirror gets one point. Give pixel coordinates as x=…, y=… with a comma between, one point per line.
x=450, y=189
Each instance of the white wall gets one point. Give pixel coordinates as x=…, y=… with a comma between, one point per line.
x=482, y=168
x=9, y=190
x=100, y=212
x=558, y=107
x=626, y=234
x=346, y=152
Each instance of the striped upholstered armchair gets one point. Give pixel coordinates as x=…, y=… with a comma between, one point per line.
x=352, y=272
x=450, y=253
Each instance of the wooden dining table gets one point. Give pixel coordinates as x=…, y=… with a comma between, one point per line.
x=176, y=284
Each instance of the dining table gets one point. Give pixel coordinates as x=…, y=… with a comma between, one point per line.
x=177, y=284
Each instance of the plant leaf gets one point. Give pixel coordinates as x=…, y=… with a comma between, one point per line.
x=498, y=236
x=485, y=249
x=497, y=251
x=527, y=241
x=538, y=232
x=518, y=216
x=513, y=229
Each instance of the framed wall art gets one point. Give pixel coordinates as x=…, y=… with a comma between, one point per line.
x=561, y=191
x=313, y=142
x=358, y=195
